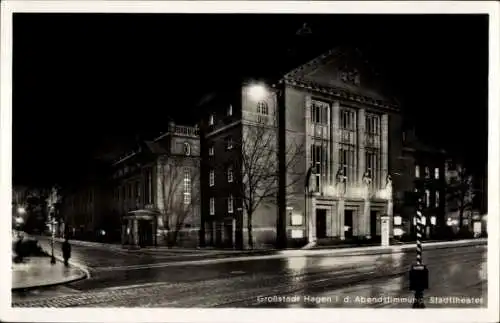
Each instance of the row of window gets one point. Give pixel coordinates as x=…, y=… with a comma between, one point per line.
x=320, y=114
x=427, y=198
x=347, y=161
x=427, y=172
x=228, y=142
x=230, y=205
x=229, y=172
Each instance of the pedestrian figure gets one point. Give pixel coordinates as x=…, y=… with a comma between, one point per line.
x=19, y=249
x=66, y=249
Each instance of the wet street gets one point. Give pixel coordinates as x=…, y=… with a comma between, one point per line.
x=164, y=278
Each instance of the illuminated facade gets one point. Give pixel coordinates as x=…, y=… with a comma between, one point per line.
x=352, y=134
x=348, y=131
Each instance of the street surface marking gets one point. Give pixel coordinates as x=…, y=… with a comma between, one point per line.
x=135, y=286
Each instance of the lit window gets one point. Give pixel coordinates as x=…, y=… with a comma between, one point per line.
x=187, y=149
x=262, y=108
x=427, y=172
x=230, y=174
x=437, y=198
x=230, y=110
x=212, y=178
x=230, y=204
x=436, y=173
x=348, y=119
x=262, y=112
x=372, y=124
x=187, y=186
x=229, y=143
x=417, y=171
x=211, y=151
x=211, y=120
x=319, y=112
x=297, y=234
x=427, y=197
x=212, y=206
x=297, y=219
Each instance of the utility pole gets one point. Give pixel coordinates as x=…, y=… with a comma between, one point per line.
x=419, y=274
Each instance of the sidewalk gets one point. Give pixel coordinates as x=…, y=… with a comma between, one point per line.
x=39, y=272
x=346, y=250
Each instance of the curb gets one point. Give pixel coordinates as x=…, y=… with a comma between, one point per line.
x=366, y=251
x=83, y=275
x=72, y=263
x=72, y=280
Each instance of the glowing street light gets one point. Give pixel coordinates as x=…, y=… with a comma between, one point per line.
x=21, y=210
x=257, y=91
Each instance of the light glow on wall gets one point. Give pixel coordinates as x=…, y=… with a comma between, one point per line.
x=398, y=232
x=257, y=92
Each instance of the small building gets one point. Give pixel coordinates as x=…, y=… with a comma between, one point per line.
x=155, y=190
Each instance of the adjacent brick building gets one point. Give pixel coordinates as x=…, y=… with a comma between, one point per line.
x=422, y=175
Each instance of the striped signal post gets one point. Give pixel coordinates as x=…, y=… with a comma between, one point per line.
x=419, y=274
x=419, y=237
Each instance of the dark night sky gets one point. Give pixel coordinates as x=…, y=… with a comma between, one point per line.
x=87, y=80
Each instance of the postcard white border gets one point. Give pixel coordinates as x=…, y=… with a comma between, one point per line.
x=250, y=315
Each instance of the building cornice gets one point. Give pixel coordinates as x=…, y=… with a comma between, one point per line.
x=341, y=94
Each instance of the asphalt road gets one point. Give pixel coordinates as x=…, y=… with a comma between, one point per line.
x=170, y=279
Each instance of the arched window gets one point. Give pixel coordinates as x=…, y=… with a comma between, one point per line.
x=187, y=149
x=262, y=108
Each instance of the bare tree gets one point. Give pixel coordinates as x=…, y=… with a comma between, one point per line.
x=180, y=193
x=260, y=171
x=460, y=192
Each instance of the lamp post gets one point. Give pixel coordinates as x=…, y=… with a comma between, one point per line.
x=52, y=257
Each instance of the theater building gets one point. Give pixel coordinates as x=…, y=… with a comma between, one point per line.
x=337, y=113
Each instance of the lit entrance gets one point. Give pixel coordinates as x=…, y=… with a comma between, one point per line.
x=320, y=223
x=348, y=230
x=373, y=224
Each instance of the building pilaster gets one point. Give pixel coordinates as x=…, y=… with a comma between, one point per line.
x=364, y=216
x=361, y=145
x=340, y=218
x=312, y=221
x=334, y=140
x=385, y=148
x=136, y=232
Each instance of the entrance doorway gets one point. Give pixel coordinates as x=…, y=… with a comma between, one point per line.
x=320, y=223
x=145, y=233
x=373, y=224
x=348, y=224
x=228, y=233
